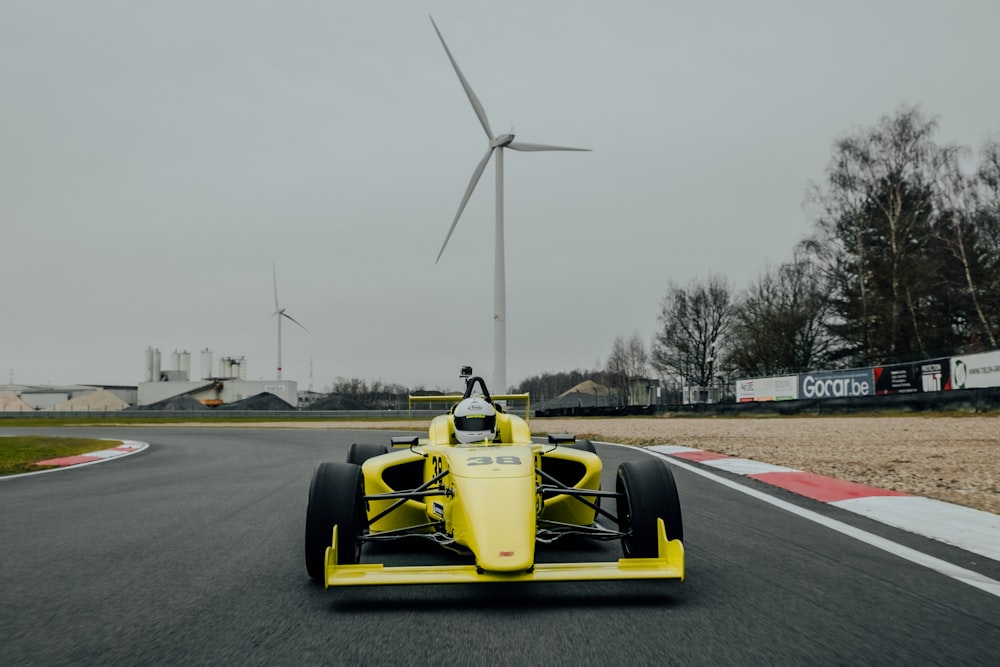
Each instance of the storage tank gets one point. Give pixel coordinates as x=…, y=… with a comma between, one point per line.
x=148, y=366
x=206, y=364
x=156, y=365
x=186, y=364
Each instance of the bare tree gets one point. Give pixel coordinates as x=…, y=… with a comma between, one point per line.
x=968, y=229
x=694, y=323
x=780, y=322
x=627, y=364
x=876, y=240
x=987, y=225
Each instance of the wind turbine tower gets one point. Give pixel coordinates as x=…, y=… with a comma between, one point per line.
x=495, y=143
x=280, y=313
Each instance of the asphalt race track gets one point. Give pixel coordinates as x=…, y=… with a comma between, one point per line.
x=190, y=553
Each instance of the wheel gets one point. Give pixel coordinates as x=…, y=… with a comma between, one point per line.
x=336, y=498
x=359, y=453
x=646, y=493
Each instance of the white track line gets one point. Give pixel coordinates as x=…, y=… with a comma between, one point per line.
x=974, y=579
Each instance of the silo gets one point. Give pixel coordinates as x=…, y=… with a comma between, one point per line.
x=148, y=374
x=242, y=368
x=156, y=365
x=175, y=360
x=186, y=364
x=206, y=364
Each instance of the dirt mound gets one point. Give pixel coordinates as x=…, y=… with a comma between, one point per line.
x=586, y=387
x=175, y=403
x=94, y=401
x=338, y=402
x=262, y=401
x=11, y=402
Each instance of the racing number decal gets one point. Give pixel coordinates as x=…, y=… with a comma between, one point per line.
x=489, y=460
x=480, y=460
x=437, y=465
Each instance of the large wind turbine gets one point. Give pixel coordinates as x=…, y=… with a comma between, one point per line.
x=280, y=313
x=498, y=143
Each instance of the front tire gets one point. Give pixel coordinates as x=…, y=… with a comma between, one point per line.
x=361, y=452
x=647, y=492
x=336, y=498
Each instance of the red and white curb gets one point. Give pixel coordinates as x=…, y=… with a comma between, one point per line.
x=963, y=527
x=126, y=448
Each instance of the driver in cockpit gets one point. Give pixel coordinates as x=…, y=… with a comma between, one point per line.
x=475, y=421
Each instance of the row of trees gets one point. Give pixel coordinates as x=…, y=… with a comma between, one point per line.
x=628, y=362
x=373, y=395
x=903, y=264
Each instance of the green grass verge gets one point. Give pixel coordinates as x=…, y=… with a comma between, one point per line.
x=19, y=453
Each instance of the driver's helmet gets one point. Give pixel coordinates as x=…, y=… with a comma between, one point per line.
x=475, y=420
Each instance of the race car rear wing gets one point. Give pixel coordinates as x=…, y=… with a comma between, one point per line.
x=450, y=399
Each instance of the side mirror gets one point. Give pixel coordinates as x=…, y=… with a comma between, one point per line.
x=404, y=441
x=561, y=439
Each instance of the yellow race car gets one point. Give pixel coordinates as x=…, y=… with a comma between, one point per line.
x=478, y=483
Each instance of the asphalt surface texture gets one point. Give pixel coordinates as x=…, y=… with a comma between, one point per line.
x=191, y=553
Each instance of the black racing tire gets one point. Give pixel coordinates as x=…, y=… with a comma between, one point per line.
x=360, y=452
x=336, y=498
x=647, y=492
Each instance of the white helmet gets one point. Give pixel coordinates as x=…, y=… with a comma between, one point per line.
x=475, y=420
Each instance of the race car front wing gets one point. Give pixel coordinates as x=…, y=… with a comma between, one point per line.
x=669, y=564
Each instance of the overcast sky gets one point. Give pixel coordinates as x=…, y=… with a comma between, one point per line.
x=157, y=157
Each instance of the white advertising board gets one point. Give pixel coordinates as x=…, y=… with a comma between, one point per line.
x=784, y=388
x=976, y=371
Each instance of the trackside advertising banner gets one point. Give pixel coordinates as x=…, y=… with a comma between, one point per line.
x=976, y=371
x=837, y=384
x=785, y=388
x=930, y=375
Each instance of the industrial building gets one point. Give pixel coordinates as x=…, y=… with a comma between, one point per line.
x=226, y=384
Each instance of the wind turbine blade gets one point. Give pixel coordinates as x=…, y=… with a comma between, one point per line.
x=521, y=146
x=294, y=320
x=465, y=199
x=274, y=276
x=476, y=104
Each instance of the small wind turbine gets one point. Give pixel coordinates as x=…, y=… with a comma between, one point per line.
x=280, y=313
x=498, y=143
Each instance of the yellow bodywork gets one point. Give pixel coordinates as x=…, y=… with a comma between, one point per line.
x=489, y=503
x=669, y=564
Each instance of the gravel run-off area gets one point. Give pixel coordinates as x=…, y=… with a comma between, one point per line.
x=950, y=458
x=955, y=459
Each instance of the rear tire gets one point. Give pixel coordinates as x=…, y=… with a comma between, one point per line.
x=359, y=453
x=336, y=498
x=647, y=492
x=585, y=445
